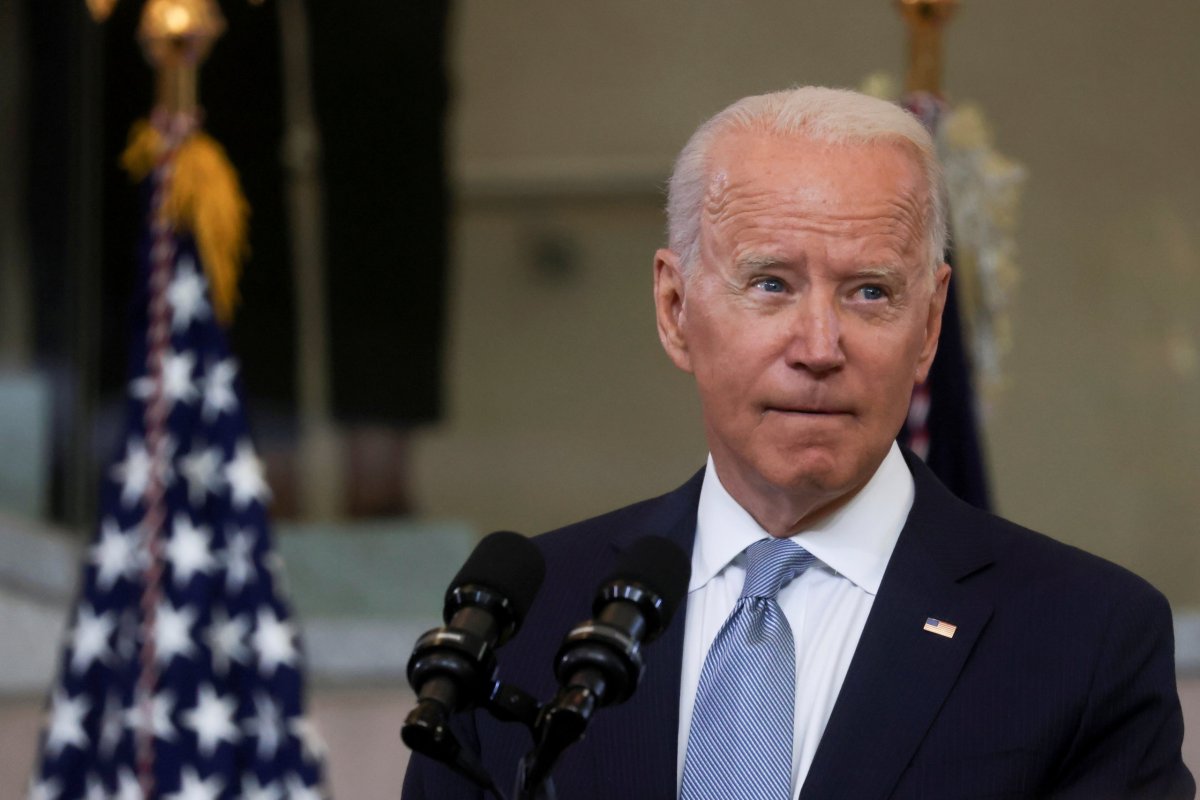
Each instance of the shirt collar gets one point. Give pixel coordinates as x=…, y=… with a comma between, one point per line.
x=856, y=541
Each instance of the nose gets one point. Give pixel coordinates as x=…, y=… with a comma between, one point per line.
x=815, y=336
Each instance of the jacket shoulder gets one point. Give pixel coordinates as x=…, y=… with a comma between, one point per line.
x=1043, y=559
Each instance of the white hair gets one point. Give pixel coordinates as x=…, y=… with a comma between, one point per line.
x=807, y=113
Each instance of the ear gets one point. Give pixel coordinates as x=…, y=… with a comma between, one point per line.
x=933, y=324
x=669, y=288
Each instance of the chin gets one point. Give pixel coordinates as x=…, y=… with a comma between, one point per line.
x=816, y=471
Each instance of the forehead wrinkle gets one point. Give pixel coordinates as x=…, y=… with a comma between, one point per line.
x=751, y=227
x=726, y=199
x=723, y=201
x=738, y=202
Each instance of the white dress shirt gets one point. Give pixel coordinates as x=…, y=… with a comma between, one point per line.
x=827, y=606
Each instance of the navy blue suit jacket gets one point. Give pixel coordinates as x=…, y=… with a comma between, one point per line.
x=1059, y=681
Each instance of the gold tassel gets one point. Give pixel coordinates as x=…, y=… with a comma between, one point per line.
x=205, y=198
x=145, y=144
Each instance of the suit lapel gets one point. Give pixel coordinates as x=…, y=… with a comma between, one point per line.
x=900, y=674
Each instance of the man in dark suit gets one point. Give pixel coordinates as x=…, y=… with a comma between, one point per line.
x=851, y=630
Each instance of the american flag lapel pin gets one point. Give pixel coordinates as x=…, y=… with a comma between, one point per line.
x=940, y=627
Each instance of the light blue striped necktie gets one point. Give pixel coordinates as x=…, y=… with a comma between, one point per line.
x=740, y=740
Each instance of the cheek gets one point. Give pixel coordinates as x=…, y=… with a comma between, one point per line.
x=729, y=358
x=889, y=362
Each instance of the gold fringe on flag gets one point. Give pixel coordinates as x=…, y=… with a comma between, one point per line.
x=204, y=198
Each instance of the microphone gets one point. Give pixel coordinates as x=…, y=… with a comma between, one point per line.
x=452, y=667
x=600, y=661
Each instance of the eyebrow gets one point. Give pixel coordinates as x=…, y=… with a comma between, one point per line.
x=886, y=270
x=754, y=262
x=757, y=261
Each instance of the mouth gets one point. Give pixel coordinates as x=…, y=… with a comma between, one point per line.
x=806, y=411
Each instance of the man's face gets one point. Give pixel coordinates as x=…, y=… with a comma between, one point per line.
x=810, y=313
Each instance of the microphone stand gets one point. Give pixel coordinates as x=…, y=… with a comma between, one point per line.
x=527, y=790
x=426, y=730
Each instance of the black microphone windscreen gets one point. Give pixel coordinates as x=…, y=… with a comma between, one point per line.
x=661, y=566
x=507, y=563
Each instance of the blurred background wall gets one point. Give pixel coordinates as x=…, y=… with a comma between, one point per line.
x=556, y=401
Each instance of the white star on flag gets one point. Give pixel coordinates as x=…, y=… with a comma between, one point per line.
x=134, y=472
x=178, y=386
x=115, y=554
x=212, y=720
x=266, y=725
x=312, y=745
x=245, y=475
x=66, y=722
x=192, y=788
x=273, y=641
x=89, y=639
x=186, y=294
x=189, y=550
x=173, y=632
x=239, y=559
x=177, y=381
x=201, y=469
x=159, y=724
x=227, y=640
x=217, y=381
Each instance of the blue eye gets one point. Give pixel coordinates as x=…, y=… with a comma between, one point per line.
x=873, y=293
x=773, y=285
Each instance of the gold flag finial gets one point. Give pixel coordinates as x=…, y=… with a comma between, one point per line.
x=100, y=9
x=176, y=36
x=925, y=19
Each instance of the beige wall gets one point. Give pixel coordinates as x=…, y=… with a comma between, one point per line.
x=567, y=117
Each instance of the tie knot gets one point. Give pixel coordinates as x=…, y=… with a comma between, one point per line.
x=771, y=564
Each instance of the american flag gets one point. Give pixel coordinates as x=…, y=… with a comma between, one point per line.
x=181, y=675
x=940, y=627
x=942, y=425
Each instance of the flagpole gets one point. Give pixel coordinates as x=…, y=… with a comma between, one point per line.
x=176, y=36
x=922, y=96
x=926, y=19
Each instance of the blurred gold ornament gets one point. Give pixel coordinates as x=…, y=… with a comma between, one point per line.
x=176, y=36
x=100, y=9
x=173, y=32
x=203, y=197
x=925, y=19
